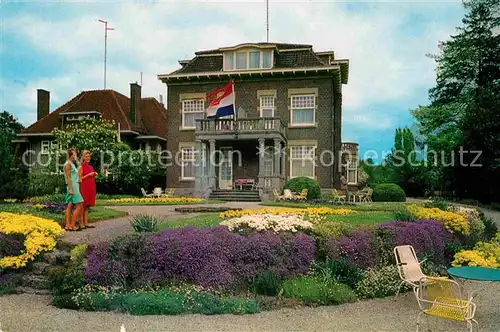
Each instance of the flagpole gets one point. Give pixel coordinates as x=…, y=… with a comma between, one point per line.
x=105, y=47
x=267, y=21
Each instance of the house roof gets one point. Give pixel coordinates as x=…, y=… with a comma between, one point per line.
x=111, y=105
x=286, y=56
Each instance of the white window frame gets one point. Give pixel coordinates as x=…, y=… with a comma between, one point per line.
x=352, y=165
x=183, y=111
x=247, y=67
x=313, y=159
x=302, y=124
x=45, y=147
x=188, y=160
x=262, y=107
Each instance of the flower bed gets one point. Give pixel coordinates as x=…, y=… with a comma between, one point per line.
x=158, y=200
x=283, y=211
x=48, y=206
x=268, y=222
x=486, y=254
x=40, y=236
x=211, y=257
x=453, y=222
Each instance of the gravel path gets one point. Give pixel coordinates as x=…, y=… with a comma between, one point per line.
x=370, y=315
x=107, y=229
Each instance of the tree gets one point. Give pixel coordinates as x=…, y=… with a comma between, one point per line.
x=463, y=114
x=13, y=175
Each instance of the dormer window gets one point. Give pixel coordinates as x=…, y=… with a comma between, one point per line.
x=248, y=59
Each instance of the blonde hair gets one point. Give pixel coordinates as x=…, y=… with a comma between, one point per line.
x=84, y=152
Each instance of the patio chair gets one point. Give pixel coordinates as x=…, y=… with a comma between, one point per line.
x=337, y=196
x=277, y=196
x=169, y=194
x=157, y=192
x=368, y=196
x=302, y=195
x=288, y=194
x=145, y=194
x=408, y=267
x=442, y=297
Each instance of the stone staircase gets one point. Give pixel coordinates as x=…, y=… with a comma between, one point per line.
x=236, y=195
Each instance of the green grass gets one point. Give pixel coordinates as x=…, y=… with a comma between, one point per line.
x=354, y=219
x=381, y=206
x=103, y=202
x=362, y=217
x=97, y=213
x=203, y=220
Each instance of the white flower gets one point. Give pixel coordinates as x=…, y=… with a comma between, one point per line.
x=269, y=222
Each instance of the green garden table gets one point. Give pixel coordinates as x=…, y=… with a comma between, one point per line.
x=474, y=274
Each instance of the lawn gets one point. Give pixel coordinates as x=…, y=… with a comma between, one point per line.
x=105, y=202
x=379, y=206
x=95, y=214
x=355, y=219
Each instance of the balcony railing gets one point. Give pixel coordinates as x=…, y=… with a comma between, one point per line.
x=247, y=125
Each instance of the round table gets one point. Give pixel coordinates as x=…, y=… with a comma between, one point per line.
x=474, y=273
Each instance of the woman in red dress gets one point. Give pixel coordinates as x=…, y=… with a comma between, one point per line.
x=87, y=187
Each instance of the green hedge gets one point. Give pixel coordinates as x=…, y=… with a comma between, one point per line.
x=388, y=192
x=312, y=186
x=45, y=184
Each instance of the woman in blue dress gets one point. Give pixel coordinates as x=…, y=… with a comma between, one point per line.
x=73, y=197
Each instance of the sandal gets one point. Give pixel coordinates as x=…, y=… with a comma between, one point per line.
x=89, y=226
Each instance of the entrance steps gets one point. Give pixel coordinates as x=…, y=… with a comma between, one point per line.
x=236, y=195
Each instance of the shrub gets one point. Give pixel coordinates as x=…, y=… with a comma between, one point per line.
x=404, y=215
x=358, y=249
x=266, y=283
x=169, y=301
x=9, y=281
x=312, y=186
x=380, y=282
x=388, y=192
x=211, y=257
x=325, y=228
x=340, y=271
x=318, y=290
x=437, y=202
x=428, y=238
x=45, y=184
x=490, y=228
x=66, y=280
x=485, y=254
x=453, y=222
x=146, y=223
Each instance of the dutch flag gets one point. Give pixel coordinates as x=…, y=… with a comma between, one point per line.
x=222, y=103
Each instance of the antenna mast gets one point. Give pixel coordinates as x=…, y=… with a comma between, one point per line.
x=267, y=21
x=105, y=46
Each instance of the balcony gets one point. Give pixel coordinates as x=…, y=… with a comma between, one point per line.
x=247, y=128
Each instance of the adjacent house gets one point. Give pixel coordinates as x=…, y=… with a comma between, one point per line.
x=141, y=122
x=288, y=104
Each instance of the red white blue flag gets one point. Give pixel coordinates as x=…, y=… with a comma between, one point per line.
x=222, y=103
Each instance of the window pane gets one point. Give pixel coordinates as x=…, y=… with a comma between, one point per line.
x=306, y=101
x=266, y=59
x=188, y=169
x=255, y=59
x=351, y=176
x=193, y=106
x=241, y=60
x=228, y=61
x=267, y=101
x=267, y=113
x=190, y=119
x=303, y=116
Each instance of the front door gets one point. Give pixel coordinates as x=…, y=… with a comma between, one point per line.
x=226, y=168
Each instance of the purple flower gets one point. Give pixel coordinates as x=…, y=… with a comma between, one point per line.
x=11, y=245
x=211, y=257
x=358, y=248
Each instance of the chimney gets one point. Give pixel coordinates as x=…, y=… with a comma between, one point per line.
x=43, y=103
x=135, y=104
x=161, y=100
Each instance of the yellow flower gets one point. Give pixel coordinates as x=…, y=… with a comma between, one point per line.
x=40, y=236
x=453, y=222
x=485, y=254
x=284, y=211
x=166, y=200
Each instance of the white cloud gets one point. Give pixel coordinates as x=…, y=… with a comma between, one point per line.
x=385, y=65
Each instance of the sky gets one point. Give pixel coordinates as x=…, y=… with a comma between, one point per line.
x=59, y=46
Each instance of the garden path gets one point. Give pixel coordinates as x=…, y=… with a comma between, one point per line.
x=34, y=313
x=107, y=229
